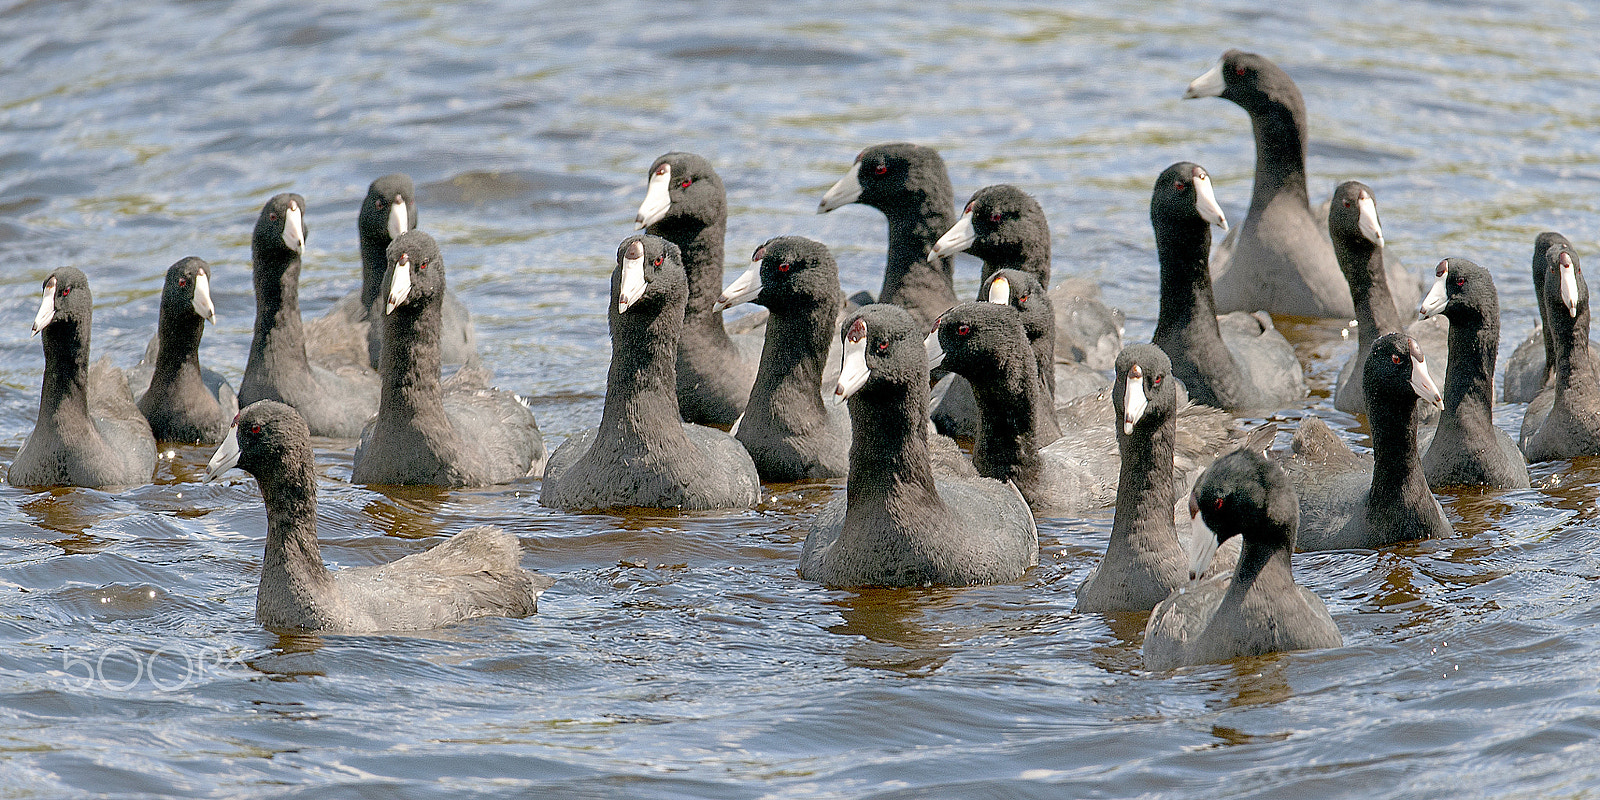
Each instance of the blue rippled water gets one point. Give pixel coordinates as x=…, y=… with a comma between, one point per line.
x=680, y=656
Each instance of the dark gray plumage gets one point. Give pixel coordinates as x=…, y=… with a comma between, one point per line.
x=1279, y=260
x=642, y=455
x=350, y=332
x=1239, y=362
x=88, y=432
x=1469, y=449
x=1358, y=242
x=1258, y=609
x=183, y=401
x=426, y=433
x=475, y=573
x=1350, y=501
x=896, y=525
x=334, y=402
x=910, y=185
x=1571, y=425
x=1531, y=371
x=790, y=432
x=686, y=204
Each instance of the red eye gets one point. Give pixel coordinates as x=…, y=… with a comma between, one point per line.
x=784, y=267
x=273, y=216
x=423, y=266
x=658, y=260
x=1346, y=203
x=66, y=290
x=1396, y=358
x=255, y=428
x=963, y=329
x=684, y=184
x=1180, y=186
x=378, y=203
x=881, y=169
x=995, y=217
x=1461, y=281
x=1238, y=70
x=662, y=170
x=1022, y=299
x=883, y=347
x=1218, y=505
x=182, y=282
x=1156, y=381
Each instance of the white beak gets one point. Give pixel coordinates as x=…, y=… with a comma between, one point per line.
x=227, y=455
x=853, y=372
x=1205, y=201
x=745, y=288
x=632, y=277
x=399, y=218
x=202, y=298
x=1208, y=85
x=1569, y=284
x=934, y=350
x=1436, y=299
x=1000, y=291
x=1367, y=220
x=1133, y=402
x=657, y=200
x=1422, y=383
x=1202, y=544
x=47, y=308
x=294, y=228
x=399, y=284
x=845, y=192
x=957, y=239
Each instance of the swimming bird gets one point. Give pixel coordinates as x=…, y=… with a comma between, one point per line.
x=1239, y=362
x=475, y=573
x=334, y=402
x=350, y=332
x=1348, y=500
x=686, y=204
x=1280, y=260
x=183, y=401
x=642, y=454
x=1469, y=449
x=1358, y=242
x=461, y=433
x=1259, y=608
x=1571, y=425
x=896, y=523
x=88, y=432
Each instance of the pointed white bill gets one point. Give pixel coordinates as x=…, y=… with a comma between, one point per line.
x=935, y=351
x=1208, y=85
x=845, y=192
x=202, y=298
x=1000, y=291
x=1367, y=219
x=745, y=288
x=1202, y=545
x=632, y=277
x=1422, y=383
x=1569, y=284
x=657, y=198
x=399, y=217
x=1133, y=400
x=47, y=307
x=1205, y=201
x=1436, y=299
x=960, y=237
x=294, y=228
x=227, y=455
x=399, y=284
x=853, y=372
